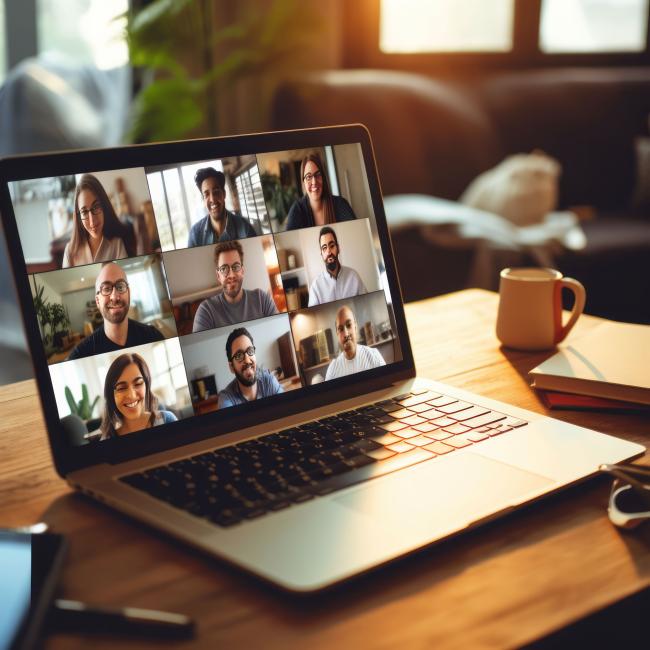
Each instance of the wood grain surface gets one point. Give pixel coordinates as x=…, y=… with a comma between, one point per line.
x=508, y=583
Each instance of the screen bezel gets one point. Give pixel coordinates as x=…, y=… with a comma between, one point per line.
x=196, y=428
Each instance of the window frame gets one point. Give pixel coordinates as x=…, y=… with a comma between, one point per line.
x=361, y=46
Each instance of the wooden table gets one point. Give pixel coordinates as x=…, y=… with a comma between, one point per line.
x=506, y=584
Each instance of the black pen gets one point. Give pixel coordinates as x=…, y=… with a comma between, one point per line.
x=74, y=616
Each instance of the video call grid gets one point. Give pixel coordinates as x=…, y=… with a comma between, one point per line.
x=289, y=311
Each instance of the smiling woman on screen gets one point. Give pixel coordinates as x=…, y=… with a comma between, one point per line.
x=318, y=206
x=97, y=232
x=129, y=404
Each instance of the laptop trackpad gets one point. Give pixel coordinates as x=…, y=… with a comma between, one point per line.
x=445, y=494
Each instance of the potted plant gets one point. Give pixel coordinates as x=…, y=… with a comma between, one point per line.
x=60, y=324
x=83, y=408
x=189, y=64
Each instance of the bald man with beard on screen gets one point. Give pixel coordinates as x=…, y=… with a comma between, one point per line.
x=113, y=299
x=354, y=357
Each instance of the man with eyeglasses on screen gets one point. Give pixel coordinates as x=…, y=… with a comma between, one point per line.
x=234, y=304
x=113, y=299
x=219, y=224
x=250, y=383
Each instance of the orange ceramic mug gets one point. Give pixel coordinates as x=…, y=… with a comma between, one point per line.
x=530, y=308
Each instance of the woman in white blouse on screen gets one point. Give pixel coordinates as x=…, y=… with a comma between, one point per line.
x=97, y=235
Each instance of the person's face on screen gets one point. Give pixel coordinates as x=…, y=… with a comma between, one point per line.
x=130, y=393
x=114, y=307
x=231, y=279
x=245, y=368
x=91, y=213
x=214, y=197
x=329, y=251
x=346, y=330
x=312, y=180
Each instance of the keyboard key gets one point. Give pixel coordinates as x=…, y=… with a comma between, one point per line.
x=515, y=423
x=438, y=448
x=417, y=399
x=458, y=442
x=392, y=427
x=400, y=447
x=413, y=420
x=456, y=428
x=402, y=413
x=426, y=427
x=407, y=433
x=475, y=436
x=481, y=420
x=442, y=400
x=381, y=454
x=497, y=429
x=471, y=412
x=444, y=421
x=438, y=435
x=386, y=439
x=420, y=391
x=453, y=407
x=391, y=408
x=420, y=408
x=419, y=441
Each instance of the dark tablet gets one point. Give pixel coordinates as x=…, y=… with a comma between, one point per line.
x=30, y=567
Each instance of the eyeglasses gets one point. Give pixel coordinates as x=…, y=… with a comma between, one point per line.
x=94, y=209
x=106, y=288
x=239, y=355
x=225, y=269
x=309, y=177
x=629, y=500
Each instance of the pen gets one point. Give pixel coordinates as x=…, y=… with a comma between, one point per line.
x=74, y=616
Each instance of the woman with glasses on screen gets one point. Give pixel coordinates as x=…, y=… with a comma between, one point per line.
x=129, y=404
x=97, y=234
x=318, y=206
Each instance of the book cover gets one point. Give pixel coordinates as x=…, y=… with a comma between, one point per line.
x=571, y=402
x=612, y=361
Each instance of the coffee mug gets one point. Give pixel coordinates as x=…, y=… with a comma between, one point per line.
x=530, y=308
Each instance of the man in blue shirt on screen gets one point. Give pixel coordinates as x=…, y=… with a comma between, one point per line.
x=219, y=224
x=249, y=383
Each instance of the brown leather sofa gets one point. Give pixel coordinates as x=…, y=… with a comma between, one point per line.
x=434, y=136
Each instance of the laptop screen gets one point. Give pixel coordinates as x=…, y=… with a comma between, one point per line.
x=180, y=290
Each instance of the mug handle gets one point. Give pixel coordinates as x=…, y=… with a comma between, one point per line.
x=580, y=295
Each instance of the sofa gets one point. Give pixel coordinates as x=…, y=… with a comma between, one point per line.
x=433, y=136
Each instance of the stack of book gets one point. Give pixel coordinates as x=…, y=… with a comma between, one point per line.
x=608, y=368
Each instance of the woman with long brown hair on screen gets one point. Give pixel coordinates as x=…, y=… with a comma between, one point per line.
x=97, y=234
x=129, y=404
x=318, y=206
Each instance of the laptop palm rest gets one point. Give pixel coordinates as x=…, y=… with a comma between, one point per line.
x=444, y=494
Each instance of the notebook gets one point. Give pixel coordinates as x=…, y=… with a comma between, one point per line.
x=221, y=352
x=610, y=362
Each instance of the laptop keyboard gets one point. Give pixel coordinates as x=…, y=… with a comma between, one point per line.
x=270, y=473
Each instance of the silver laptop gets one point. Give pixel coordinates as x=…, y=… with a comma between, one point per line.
x=221, y=352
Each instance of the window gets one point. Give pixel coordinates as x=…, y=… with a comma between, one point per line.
x=90, y=31
x=251, y=199
x=593, y=26
x=446, y=26
x=448, y=35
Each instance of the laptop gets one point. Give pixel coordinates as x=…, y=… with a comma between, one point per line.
x=221, y=352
